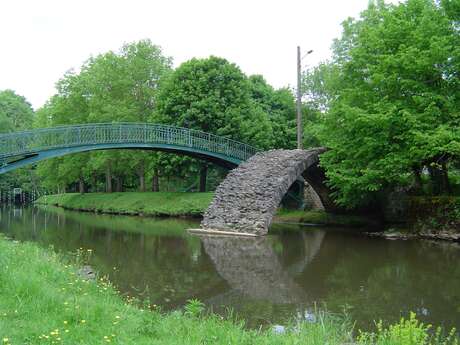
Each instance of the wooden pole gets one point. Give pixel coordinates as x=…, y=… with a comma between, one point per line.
x=299, y=102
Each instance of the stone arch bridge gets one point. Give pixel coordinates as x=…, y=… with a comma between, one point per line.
x=246, y=200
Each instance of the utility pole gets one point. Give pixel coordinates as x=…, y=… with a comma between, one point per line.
x=299, y=101
x=299, y=98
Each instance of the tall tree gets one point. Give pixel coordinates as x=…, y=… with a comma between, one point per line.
x=278, y=106
x=392, y=100
x=213, y=95
x=111, y=87
x=210, y=94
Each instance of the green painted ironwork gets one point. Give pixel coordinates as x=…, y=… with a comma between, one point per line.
x=21, y=148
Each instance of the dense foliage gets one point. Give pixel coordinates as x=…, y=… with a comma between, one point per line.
x=16, y=114
x=213, y=95
x=112, y=87
x=390, y=99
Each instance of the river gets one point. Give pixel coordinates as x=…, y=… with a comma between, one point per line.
x=269, y=280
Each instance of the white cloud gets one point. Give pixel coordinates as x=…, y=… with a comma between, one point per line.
x=41, y=40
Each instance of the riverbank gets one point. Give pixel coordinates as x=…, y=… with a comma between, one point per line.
x=435, y=218
x=394, y=234
x=133, y=203
x=44, y=301
x=180, y=204
x=430, y=218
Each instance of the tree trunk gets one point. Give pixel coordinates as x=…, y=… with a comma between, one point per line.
x=435, y=176
x=108, y=179
x=81, y=185
x=94, y=182
x=119, y=184
x=203, y=177
x=417, y=179
x=446, y=187
x=141, y=172
x=155, y=182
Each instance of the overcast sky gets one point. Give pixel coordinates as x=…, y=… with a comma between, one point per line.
x=41, y=40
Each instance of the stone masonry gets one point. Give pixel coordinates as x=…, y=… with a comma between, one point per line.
x=247, y=199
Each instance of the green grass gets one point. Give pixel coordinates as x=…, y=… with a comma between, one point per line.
x=133, y=203
x=42, y=301
x=321, y=217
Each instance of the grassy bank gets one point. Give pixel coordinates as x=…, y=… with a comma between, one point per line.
x=178, y=204
x=133, y=203
x=42, y=301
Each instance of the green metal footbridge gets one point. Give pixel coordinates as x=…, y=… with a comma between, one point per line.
x=18, y=149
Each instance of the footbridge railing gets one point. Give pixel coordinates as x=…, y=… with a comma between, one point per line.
x=56, y=141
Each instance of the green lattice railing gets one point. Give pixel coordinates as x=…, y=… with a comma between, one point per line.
x=103, y=134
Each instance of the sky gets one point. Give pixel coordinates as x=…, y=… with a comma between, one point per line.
x=41, y=40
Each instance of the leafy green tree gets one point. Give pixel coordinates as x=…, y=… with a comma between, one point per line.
x=391, y=96
x=112, y=87
x=15, y=112
x=210, y=94
x=452, y=8
x=278, y=106
x=214, y=96
x=6, y=125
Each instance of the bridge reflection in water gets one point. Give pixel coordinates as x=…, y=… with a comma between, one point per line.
x=252, y=268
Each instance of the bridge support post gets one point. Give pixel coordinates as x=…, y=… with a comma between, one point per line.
x=203, y=177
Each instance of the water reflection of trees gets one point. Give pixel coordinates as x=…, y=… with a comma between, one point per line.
x=388, y=279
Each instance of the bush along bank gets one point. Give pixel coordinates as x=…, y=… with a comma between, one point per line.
x=45, y=300
x=133, y=203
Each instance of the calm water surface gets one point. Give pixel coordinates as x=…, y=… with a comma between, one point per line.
x=268, y=280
